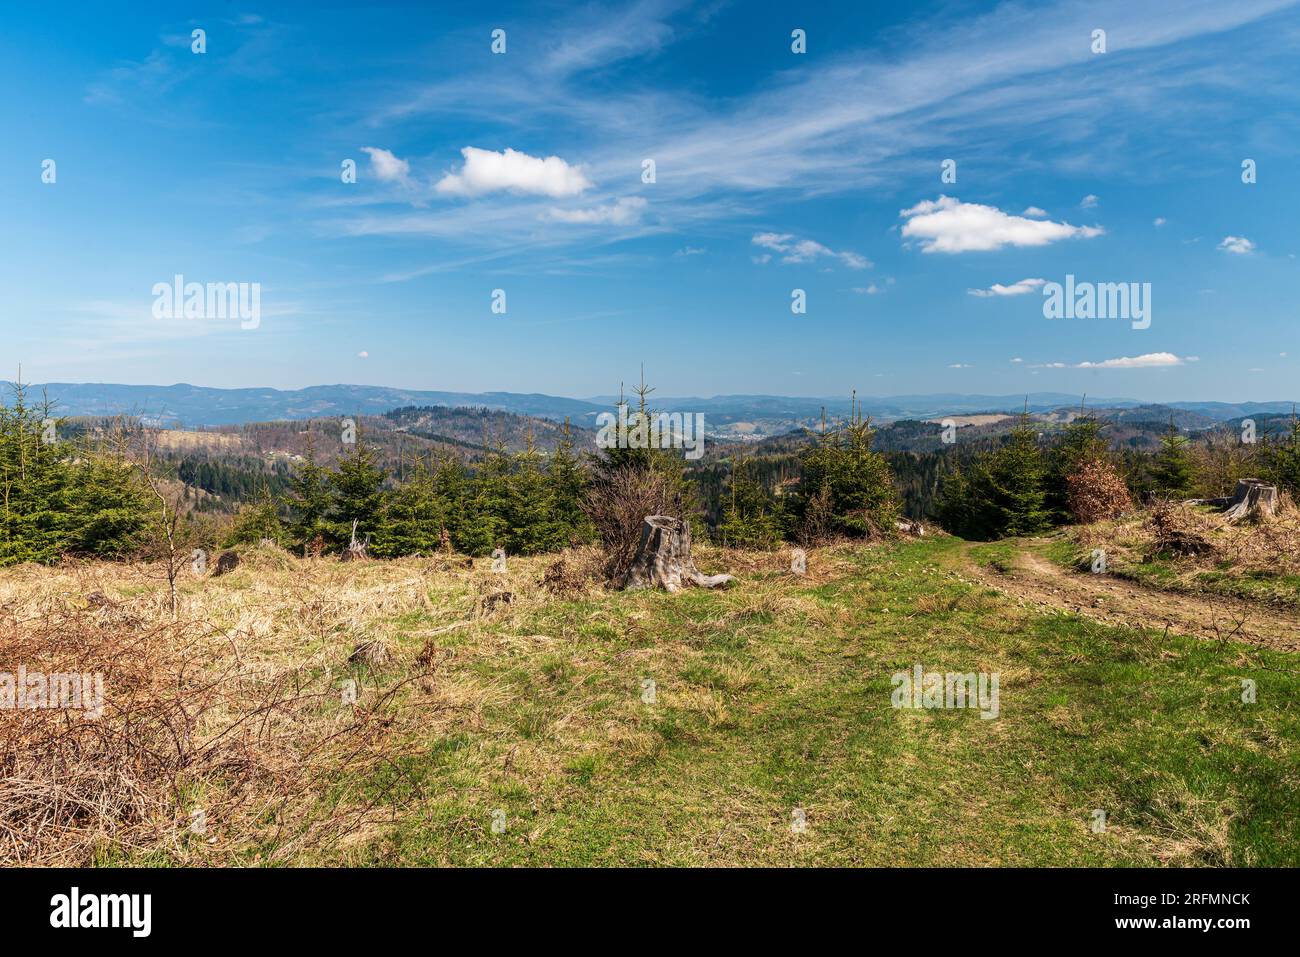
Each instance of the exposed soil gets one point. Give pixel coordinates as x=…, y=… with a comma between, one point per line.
x=1117, y=601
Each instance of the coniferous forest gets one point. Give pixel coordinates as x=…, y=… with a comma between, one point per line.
x=93, y=492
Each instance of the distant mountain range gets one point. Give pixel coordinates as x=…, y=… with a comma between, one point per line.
x=192, y=405
x=726, y=416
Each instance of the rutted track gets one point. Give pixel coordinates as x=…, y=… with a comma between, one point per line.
x=1120, y=602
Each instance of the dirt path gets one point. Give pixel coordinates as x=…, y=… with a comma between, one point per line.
x=1119, y=602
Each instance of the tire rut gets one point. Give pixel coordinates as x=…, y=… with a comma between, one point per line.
x=1116, y=601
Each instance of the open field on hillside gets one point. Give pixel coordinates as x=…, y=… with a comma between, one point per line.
x=535, y=714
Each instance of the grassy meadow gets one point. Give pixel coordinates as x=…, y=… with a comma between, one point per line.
x=534, y=714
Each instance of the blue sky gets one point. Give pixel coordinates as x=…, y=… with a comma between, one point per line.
x=775, y=171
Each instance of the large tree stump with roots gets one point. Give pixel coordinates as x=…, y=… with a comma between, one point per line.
x=1251, y=498
x=663, y=559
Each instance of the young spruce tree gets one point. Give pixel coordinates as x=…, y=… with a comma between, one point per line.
x=358, y=484
x=310, y=500
x=1172, y=473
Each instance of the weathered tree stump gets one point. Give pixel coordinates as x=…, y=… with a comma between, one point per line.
x=356, y=550
x=663, y=559
x=1251, y=498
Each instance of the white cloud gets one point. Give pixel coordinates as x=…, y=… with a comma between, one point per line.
x=363, y=354
x=387, y=167
x=1158, y=221
x=1017, y=359
x=947, y=225
x=1237, y=244
x=794, y=250
x=486, y=171
x=869, y=290
x=1148, y=360
x=622, y=213
x=1007, y=79
x=1019, y=288
x=1088, y=202
x=690, y=251
x=959, y=365
x=1035, y=212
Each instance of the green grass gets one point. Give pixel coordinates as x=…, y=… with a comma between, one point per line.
x=776, y=695
x=1168, y=573
x=1254, y=585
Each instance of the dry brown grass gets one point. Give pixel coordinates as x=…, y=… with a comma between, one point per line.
x=238, y=713
x=1188, y=830
x=1200, y=539
x=236, y=708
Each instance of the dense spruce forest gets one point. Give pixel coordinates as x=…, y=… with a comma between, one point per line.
x=412, y=481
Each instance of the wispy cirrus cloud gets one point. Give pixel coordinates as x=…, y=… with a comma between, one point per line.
x=621, y=213
x=794, y=250
x=849, y=120
x=601, y=38
x=147, y=88
x=846, y=121
x=843, y=122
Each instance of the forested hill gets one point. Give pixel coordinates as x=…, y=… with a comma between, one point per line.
x=233, y=463
x=726, y=417
x=192, y=406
